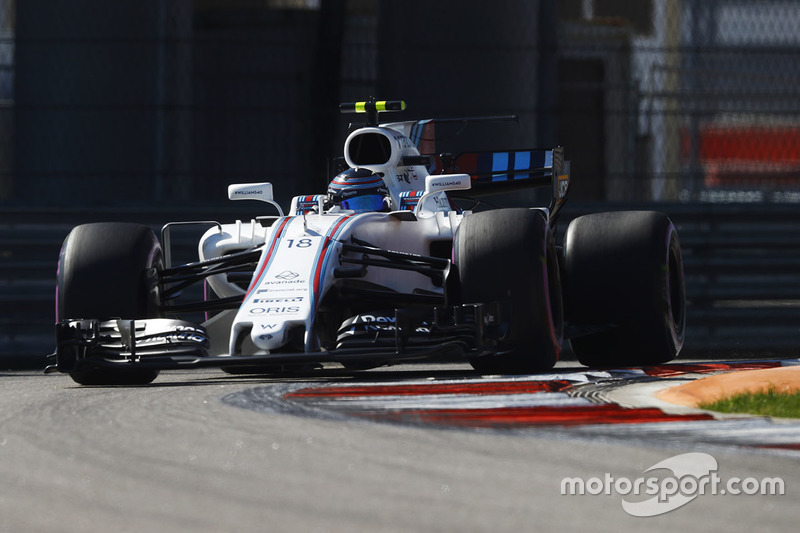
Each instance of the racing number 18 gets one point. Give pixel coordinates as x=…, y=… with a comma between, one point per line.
x=302, y=243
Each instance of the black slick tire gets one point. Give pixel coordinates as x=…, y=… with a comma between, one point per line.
x=623, y=278
x=507, y=255
x=108, y=270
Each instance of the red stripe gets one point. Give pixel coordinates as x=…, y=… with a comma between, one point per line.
x=275, y=238
x=346, y=183
x=510, y=387
x=532, y=416
x=321, y=255
x=706, y=368
x=792, y=446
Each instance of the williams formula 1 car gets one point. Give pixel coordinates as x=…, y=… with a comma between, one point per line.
x=399, y=260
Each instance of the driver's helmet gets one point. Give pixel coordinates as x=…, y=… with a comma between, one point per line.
x=359, y=190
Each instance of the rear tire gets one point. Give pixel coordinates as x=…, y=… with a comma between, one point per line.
x=508, y=255
x=109, y=270
x=624, y=269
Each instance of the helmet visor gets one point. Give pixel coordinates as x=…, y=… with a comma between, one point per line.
x=368, y=202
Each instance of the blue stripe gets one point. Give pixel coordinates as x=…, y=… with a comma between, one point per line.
x=371, y=183
x=500, y=164
x=415, y=134
x=272, y=249
x=328, y=253
x=522, y=160
x=418, y=130
x=499, y=161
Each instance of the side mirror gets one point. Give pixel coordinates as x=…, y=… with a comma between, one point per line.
x=253, y=191
x=447, y=182
x=250, y=191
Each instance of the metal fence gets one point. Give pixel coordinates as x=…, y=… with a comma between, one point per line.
x=164, y=101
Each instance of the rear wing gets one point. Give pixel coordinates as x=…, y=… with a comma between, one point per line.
x=490, y=172
x=504, y=172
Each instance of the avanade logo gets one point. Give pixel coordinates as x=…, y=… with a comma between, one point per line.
x=672, y=483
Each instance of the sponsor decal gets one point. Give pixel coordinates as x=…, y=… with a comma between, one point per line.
x=282, y=289
x=563, y=185
x=289, y=299
x=285, y=282
x=407, y=176
x=178, y=334
x=447, y=182
x=380, y=323
x=441, y=202
x=171, y=338
x=280, y=310
x=348, y=193
x=287, y=274
x=365, y=319
x=402, y=141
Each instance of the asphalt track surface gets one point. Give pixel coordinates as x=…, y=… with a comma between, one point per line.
x=206, y=451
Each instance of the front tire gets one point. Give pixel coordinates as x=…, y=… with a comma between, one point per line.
x=108, y=270
x=624, y=271
x=507, y=255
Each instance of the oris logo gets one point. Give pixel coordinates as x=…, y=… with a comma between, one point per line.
x=281, y=310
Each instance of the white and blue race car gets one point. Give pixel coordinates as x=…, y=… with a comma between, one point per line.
x=395, y=262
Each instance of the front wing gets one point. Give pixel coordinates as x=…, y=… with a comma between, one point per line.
x=458, y=332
